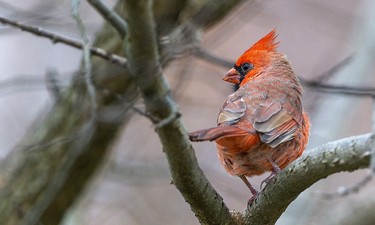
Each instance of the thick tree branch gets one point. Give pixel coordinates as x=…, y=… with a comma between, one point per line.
x=144, y=64
x=347, y=154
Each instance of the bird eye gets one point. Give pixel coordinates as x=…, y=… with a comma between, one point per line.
x=245, y=67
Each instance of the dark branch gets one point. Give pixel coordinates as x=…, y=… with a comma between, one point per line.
x=202, y=54
x=144, y=63
x=57, y=38
x=338, y=89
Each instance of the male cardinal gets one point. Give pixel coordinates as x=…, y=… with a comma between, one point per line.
x=261, y=126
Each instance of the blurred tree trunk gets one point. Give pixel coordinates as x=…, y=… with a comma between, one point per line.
x=48, y=170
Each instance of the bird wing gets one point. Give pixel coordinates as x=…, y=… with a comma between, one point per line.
x=234, y=134
x=271, y=120
x=233, y=110
x=274, y=122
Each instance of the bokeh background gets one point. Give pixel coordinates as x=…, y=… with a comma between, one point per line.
x=133, y=187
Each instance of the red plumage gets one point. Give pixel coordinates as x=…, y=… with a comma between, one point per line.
x=262, y=125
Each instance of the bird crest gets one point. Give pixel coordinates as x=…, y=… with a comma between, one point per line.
x=263, y=46
x=267, y=43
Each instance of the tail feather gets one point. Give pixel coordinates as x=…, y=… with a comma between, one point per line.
x=214, y=133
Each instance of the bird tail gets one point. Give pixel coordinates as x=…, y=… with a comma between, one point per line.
x=214, y=133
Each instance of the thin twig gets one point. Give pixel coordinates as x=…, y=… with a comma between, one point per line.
x=57, y=38
x=344, y=191
x=87, y=66
x=110, y=16
x=339, y=89
x=203, y=54
x=336, y=68
x=144, y=114
x=318, y=85
x=53, y=83
x=24, y=82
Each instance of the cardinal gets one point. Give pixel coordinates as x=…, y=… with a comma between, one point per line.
x=262, y=125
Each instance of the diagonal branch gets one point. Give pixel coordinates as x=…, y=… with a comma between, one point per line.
x=110, y=16
x=144, y=64
x=57, y=38
x=346, y=154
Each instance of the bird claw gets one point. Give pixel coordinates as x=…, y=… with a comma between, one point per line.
x=268, y=179
x=252, y=199
x=276, y=170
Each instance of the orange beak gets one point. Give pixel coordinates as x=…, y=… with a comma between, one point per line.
x=232, y=76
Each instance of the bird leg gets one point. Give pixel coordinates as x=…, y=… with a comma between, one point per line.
x=276, y=170
x=251, y=188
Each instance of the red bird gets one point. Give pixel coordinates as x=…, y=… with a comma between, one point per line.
x=262, y=125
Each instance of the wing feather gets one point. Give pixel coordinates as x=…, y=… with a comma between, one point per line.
x=232, y=112
x=274, y=122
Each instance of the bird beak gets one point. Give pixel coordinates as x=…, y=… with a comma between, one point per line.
x=232, y=76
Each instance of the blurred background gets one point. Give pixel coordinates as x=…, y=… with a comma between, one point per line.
x=133, y=187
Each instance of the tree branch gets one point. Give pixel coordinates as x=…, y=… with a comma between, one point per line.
x=339, y=89
x=203, y=54
x=144, y=64
x=57, y=38
x=110, y=16
x=212, y=11
x=347, y=154
x=56, y=160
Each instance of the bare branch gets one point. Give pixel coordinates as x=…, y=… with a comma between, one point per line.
x=22, y=81
x=110, y=16
x=214, y=10
x=52, y=83
x=339, y=89
x=347, y=154
x=144, y=63
x=201, y=53
x=57, y=38
x=335, y=69
x=344, y=191
x=87, y=65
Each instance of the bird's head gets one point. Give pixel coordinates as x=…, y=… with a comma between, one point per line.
x=252, y=61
